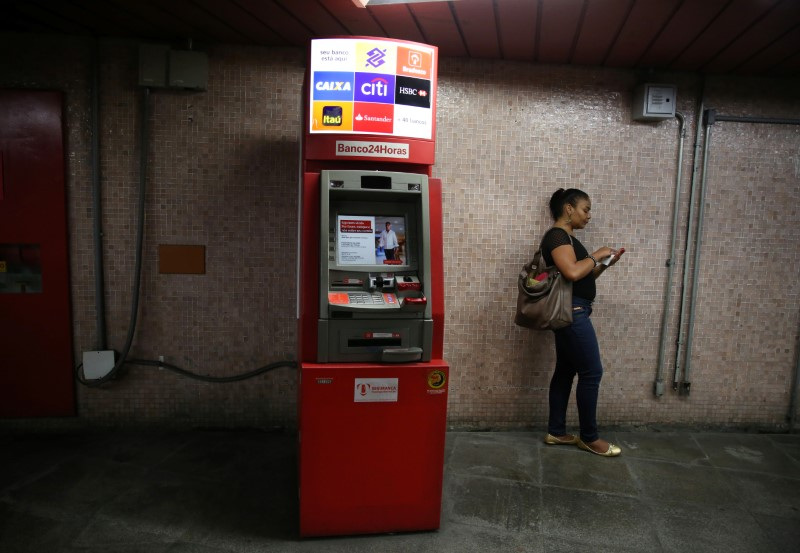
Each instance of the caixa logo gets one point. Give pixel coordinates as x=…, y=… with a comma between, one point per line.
x=371, y=87
x=333, y=85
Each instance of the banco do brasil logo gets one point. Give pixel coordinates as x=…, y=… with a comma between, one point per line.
x=375, y=57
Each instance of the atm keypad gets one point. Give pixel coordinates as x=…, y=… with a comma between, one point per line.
x=363, y=298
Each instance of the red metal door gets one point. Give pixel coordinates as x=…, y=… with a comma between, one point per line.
x=35, y=323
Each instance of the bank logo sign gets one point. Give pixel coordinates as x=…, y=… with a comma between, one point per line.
x=363, y=86
x=376, y=57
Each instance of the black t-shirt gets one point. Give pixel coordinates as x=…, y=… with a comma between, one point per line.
x=584, y=288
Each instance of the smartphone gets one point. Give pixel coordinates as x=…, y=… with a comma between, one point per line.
x=607, y=260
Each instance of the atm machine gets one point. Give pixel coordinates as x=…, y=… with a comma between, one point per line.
x=373, y=385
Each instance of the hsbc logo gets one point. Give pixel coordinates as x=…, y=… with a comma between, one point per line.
x=410, y=91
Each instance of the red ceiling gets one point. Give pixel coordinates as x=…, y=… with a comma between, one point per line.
x=714, y=36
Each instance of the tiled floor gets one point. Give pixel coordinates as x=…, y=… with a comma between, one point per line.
x=236, y=491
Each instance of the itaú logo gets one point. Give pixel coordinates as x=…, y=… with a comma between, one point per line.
x=376, y=87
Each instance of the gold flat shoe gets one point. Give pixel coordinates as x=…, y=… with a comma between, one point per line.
x=569, y=439
x=612, y=450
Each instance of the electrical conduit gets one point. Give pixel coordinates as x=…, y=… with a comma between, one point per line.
x=658, y=387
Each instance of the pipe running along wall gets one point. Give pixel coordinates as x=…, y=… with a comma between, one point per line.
x=687, y=248
x=658, y=386
x=710, y=117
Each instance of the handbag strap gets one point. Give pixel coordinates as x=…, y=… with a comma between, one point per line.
x=537, y=262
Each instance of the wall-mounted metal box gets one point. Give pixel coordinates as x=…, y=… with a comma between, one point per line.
x=654, y=102
x=153, y=65
x=161, y=67
x=188, y=69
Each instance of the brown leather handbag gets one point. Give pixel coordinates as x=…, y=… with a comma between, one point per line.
x=544, y=301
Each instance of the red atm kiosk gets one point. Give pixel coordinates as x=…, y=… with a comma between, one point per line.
x=372, y=385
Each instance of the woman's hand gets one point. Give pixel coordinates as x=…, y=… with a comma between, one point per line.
x=617, y=254
x=603, y=252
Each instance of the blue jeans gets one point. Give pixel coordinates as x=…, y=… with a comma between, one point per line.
x=577, y=352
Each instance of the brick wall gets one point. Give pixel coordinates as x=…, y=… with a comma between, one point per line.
x=223, y=173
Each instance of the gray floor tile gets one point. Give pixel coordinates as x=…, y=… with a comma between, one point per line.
x=452, y=537
x=676, y=447
x=236, y=492
x=674, y=483
x=514, y=456
x=752, y=452
x=559, y=545
x=493, y=503
x=782, y=533
x=565, y=466
x=766, y=494
x=596, y=520
x=74, y=489
x=25, y=532
x=789, y=444
x=708, y=529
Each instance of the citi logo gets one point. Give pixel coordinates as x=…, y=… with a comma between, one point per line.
x=376, y=87
x=375, y=57
x=334, y=85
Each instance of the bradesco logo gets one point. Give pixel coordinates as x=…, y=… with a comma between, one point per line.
x=333, y=85
x=414, y=63
x=372, y=87
x=373, y=118
x=412, y=92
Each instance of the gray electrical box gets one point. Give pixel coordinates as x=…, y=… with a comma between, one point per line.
x=654, y=102
x=153, y=65
x=161, y=67
x=188, y=69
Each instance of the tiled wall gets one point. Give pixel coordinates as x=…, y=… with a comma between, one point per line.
x=223, y=173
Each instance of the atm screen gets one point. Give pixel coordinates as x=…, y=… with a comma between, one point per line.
x=371, y=240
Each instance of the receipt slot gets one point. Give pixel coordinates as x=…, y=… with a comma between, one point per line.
x=374, y=267
x=372, y=382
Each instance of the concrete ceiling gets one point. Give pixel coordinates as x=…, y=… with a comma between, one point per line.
x=752, y=37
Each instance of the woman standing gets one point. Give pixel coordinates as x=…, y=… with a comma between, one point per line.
x=577, y=351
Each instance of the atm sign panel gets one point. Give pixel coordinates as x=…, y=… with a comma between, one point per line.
x=357, y=83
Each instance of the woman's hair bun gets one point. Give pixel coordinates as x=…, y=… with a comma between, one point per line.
x=561, y=197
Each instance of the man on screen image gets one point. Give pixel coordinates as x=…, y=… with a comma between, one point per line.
x=389, y=241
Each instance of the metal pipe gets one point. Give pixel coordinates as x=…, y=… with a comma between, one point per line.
x=144, y=143
x=687, y=383
x=765, y=120
x=658, y=386
x=687, y=250
x=97, y=230
x=792, y=415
